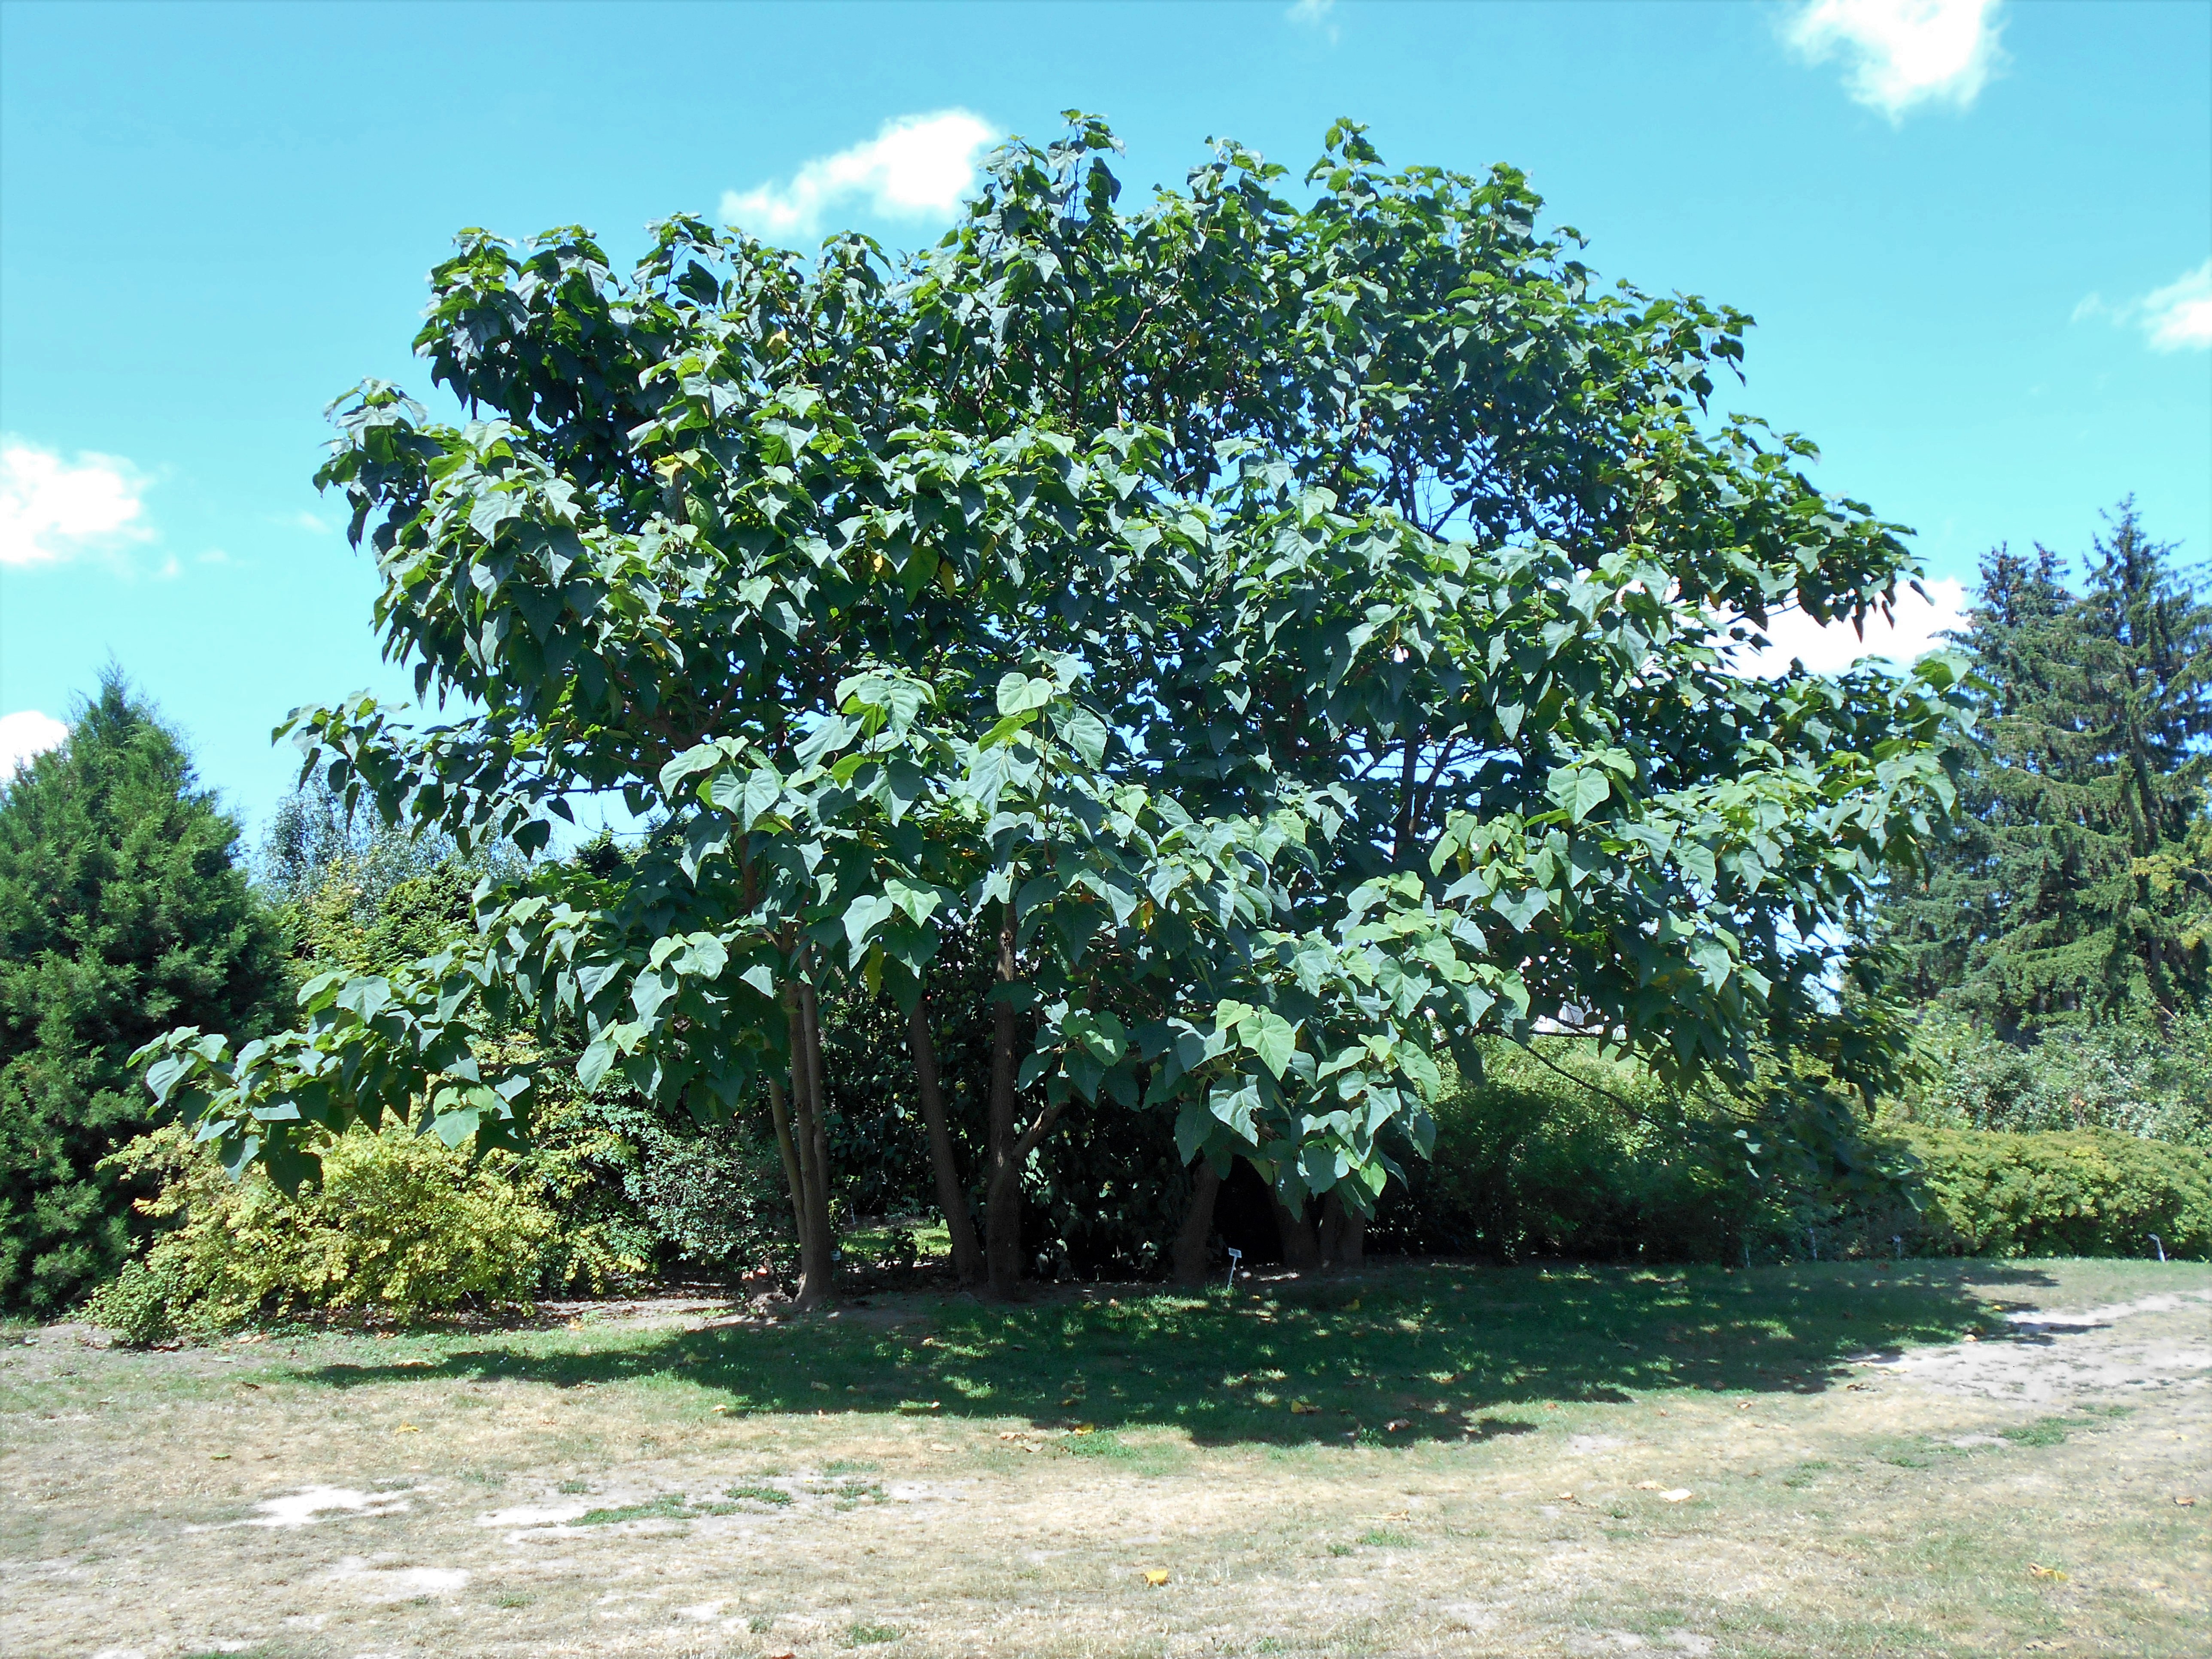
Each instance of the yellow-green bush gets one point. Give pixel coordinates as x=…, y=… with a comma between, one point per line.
x=2078, y=1191
x=399, y=1226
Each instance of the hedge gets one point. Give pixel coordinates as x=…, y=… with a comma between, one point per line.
x=2073, y=1192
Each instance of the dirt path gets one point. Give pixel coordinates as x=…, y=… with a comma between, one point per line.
x=2009, y=1495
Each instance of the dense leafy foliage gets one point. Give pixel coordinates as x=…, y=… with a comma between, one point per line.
x=397, y=1226
x=122, y=913
x=2144, y=1076
x=2086, y=1192
x=1284, y=637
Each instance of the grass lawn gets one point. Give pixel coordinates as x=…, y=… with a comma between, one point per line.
x=1444, y=1459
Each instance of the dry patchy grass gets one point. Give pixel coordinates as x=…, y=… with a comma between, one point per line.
x=1415, y=1459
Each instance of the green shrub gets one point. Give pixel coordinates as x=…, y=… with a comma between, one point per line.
x=1570, y=1154
x=2079, y=1192
x=399, y=1226
x=142, y=1304
x=2151, y=1076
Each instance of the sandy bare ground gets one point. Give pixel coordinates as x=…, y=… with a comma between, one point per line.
x=2013, y=1494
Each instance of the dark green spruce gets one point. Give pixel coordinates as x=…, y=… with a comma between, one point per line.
x=2078, y=888
x=122, y=914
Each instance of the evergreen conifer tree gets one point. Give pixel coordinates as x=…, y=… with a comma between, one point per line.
x=122, y=913
x=2078, y=886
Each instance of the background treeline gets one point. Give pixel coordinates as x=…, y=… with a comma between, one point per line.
x=2053, y=962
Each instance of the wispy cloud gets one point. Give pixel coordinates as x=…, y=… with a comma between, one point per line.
x=53, y=508
x=1315, y=14
x=1901, y=52
x=1834, y=646
x=2179, y=315
x=2175, y=318
x=918, y=166
x=25, y=733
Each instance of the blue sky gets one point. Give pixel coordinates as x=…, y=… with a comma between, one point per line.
x=1978, y=237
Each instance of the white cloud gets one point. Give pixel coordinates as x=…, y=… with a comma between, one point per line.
x=1831, y=648
x=918, y=166
x=25, y=733
x=1901, y=52
x=2179, y=315
x=52, y=508
x=1315, y=14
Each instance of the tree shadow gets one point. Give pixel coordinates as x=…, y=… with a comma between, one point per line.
x=1394, y=1354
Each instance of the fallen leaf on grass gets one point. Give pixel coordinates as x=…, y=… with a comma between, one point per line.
x=783, y=1653
x=2036, y=1572
x=1303, y=1408
x=1681, y=1494
x=1155, y=1578
x=218, y=1457
x=2185, y=1502
x=407, y=1428
x=1568, y=1497
x=1086, y=1428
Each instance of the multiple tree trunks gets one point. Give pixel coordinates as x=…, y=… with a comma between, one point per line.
x=951, y=1191
x=1190, y=1259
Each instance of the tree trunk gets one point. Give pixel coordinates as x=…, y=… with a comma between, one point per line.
x=1190, y=1262
x=1301, y=1249
x=1343, y=1234
x=812, y=1012
x=951, y=1191
x=793, y=1176
x=1002, y=1199
x=817, y=1238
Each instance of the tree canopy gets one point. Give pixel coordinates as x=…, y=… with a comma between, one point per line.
x=2078, y=887
x=1297, y=636
x=122, y=913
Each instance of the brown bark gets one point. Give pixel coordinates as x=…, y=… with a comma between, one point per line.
x=816, y=1241
x=794, y=1178
x=1190, y=1260
x=1301, y=1249
x=811, y=1013
x=1343, y=1234
x=951, y=1191
x=1002, y=1198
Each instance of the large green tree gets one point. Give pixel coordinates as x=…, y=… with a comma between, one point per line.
x=2078, y=885
x=1291, y=638
x=122, y=913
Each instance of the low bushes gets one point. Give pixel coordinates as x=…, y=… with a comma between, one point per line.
x=400, y=1226
x=2081, y=1192
x=2150, y=1077
x=1592, y=1159
x=1569, y=1154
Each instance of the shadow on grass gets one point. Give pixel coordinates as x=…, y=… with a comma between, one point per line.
x=1394, y=1354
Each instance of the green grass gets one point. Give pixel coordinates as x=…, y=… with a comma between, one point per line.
x=1448, y=1351
x=669, y=1506
x=1385, y=1538
x=761, y=1494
